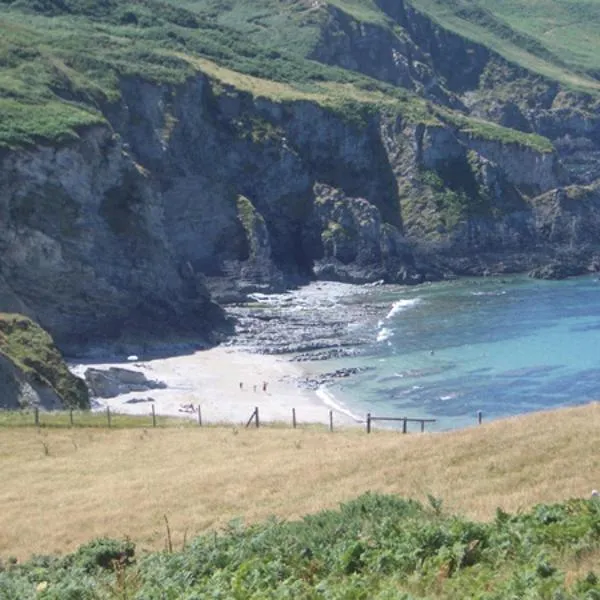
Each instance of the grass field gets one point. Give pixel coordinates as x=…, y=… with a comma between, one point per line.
x=64, y=487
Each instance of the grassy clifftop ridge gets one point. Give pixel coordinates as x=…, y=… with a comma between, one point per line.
x=62, y=61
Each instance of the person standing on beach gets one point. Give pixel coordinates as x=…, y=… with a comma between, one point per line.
x=265, y=386
x=241, y=385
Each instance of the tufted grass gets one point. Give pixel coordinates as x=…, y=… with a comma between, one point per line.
x=68, y=486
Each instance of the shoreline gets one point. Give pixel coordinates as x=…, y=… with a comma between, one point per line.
x=211, y=379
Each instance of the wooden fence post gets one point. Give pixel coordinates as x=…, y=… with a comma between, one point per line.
x=257, y=419
x=252, y=417
x=368, y=422
x=36, y=416
x=422, y=426
x=479, y=417
x=294, y=418
x=199, y=416
x=108, y=415
x=404, y=425
x=330, y=420
x=153, y=416
x=71, y=417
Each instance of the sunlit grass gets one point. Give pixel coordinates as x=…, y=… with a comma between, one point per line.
x=70, y=485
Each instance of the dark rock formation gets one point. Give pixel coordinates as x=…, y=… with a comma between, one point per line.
x=115, y=381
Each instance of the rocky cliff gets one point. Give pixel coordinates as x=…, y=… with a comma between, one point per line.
x=223, y=185
x=32, y=371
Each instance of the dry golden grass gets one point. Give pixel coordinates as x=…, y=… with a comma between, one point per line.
x=64, y=487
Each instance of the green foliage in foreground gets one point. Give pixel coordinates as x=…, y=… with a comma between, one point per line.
x=31, y=349
x=376, y=546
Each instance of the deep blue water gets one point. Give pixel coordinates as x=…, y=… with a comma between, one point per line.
x=502, y=346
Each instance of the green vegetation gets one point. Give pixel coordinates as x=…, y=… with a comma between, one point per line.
x=557, y=39
x=62, y=61
x=31, y=349
x=486, y=130
x=377, y=546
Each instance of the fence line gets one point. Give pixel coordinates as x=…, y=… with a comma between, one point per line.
x=91, y=418
x=404, y=420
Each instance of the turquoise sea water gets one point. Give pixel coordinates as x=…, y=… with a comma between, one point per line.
x=502, y=346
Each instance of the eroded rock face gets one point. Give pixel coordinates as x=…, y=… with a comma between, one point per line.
x=84, y=250
x=18, y=390
x=358, y=246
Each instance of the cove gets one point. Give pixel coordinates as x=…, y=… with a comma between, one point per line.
x=504, y=346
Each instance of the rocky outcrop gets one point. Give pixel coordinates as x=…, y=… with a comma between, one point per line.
x=32, y=371
x=85, y=251
x=357, y=245
x=19, y=390
x=115, y=381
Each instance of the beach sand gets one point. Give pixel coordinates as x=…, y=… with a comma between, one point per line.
x=211, y=379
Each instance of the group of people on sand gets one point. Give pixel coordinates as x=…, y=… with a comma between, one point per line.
x=265, y=385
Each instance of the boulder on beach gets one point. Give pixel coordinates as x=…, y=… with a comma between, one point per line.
x=115, y=381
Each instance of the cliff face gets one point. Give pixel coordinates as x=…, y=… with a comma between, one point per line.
x=85, y=251
x=201, y=188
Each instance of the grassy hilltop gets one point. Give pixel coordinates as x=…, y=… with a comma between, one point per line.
x=499, y=511
x=61, y=61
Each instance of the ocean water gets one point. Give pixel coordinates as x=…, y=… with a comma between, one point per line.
x=503, y=346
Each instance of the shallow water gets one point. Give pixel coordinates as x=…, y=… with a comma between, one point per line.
x=500, y=346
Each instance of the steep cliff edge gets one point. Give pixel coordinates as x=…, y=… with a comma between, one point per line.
x=180, y=180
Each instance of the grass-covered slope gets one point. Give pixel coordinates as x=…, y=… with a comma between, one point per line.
x=32, y=350
x=62, y=61
x=375, y=547
x=557, y=39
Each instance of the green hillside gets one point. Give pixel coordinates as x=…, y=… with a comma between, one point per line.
x=62, y=61
x=559, y=40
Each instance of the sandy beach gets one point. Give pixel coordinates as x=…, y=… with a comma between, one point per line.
x=211, y=379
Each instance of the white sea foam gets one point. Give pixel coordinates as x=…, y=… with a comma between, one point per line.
x=401, y=305
x=384, y=334
x=330, y=400
x=498, y=293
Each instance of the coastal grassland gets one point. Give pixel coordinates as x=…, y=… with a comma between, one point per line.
x=68, y=486
x=62, y=64
x=558, y=40
x=86, y=418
